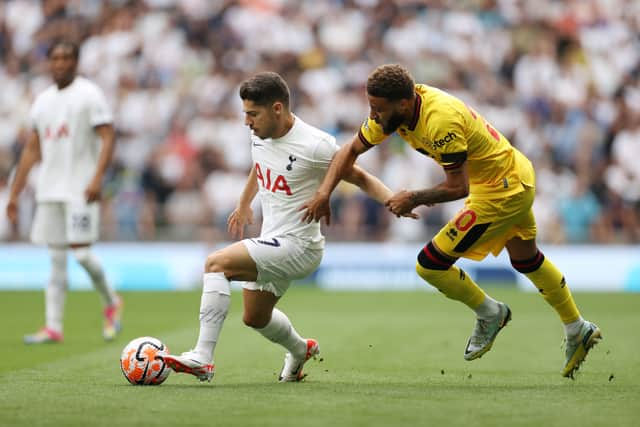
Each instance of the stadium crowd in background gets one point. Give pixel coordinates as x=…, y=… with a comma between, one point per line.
x=560, y=79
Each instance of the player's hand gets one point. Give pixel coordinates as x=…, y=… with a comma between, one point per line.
x=402, y=204
x=12, y=211
x=316, y=208
x=94, y=191
x=237, y=220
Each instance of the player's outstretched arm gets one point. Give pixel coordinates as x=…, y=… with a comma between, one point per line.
x=373, y=186
x=29, y=157
x=243, y=214
x=456, y=186
x=318, y=206
x=106, y=134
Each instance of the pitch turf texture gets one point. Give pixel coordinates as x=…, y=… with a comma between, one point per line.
x=388, y=359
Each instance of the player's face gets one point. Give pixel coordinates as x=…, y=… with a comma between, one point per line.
x=388, y=114
x=63, y=65
x=260, y=118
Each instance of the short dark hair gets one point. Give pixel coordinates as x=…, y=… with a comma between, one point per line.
x=69, y=44
x=391, y=81
x=265, y=89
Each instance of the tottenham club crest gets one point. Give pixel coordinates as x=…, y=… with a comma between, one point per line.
x=291, y=160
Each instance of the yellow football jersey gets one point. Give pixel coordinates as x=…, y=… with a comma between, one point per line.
x=450, y=132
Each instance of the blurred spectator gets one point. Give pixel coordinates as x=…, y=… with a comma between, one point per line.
x=579, y=213
x=6, y=229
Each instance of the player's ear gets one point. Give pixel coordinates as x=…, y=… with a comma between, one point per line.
x=404, y=104
x=277, y=108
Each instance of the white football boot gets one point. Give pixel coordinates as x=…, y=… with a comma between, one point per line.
x=485, y=333
x=292, y=368
x=44, y=336
x=190, y=362
x=578, y=347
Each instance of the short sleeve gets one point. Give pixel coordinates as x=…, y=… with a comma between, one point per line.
x=33, y=114
x=371, y=133
x=324, y=152
x=99, y=111
x=449, y=140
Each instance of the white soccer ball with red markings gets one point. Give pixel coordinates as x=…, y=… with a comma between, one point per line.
x=142, y=361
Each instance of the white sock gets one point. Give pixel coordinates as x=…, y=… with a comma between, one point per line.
x=281, y=331
x=488, y=308
x=56, y=291
x=572, y=329
x=93, y=267
x=214, y=306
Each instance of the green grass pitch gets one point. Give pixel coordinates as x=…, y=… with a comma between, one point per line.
x=388, y=359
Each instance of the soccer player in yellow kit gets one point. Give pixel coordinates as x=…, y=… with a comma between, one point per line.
x=499, y=184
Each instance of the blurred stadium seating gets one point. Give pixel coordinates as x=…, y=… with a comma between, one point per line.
x=561, y=79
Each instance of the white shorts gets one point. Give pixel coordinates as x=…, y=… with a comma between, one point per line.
x=64, y=223
x=279, y=261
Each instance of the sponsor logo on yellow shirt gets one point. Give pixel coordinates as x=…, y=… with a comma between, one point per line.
x=439, y=143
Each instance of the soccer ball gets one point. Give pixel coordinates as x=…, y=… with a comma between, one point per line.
x=142, y=361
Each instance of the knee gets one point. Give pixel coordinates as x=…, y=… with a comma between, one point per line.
x=255, y=320
x=58, y=256
x=432, y=264
x=82, y=254
x=217, y=262
x=58, y=268
x=431, y=260
x=528, y=265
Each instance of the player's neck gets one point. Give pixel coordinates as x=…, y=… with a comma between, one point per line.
x=66, y=83
x=408, y=119
x=285, y=126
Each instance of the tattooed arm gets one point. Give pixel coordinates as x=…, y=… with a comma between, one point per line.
x=456, y=186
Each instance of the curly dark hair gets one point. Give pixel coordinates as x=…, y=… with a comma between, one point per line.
x=67, y=43
x=265, y=89
x=392, y=82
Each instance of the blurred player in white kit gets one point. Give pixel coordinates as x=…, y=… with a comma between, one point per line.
x=290, y=159
x=72, y=136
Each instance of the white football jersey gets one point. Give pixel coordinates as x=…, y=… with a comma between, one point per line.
x=65, y=121
x=289, y=171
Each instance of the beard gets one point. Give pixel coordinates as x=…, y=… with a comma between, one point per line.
x=392, y=124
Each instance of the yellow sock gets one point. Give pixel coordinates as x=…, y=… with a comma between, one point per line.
x=454, y=283
x=553, y=288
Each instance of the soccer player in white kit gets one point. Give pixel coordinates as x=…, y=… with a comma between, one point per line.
x=290, y=159
x=72, y=135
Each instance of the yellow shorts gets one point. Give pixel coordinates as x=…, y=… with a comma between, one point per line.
x=484, y=226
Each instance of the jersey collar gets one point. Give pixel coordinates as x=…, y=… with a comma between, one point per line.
x=416, y=112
